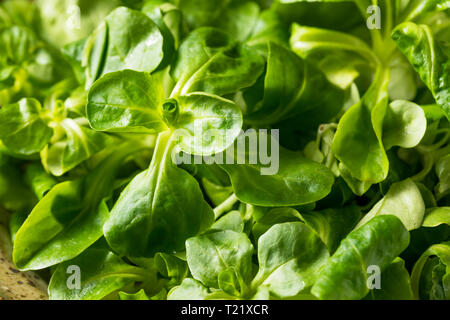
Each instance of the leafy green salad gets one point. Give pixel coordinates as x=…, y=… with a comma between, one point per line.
x=227, y=149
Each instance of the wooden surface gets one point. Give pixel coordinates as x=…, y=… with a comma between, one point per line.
x=16, y=285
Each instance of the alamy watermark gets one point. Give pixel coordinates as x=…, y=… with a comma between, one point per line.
x=74, y=280
x=74, y=17
x=374, y=278
x=254, y=147
x=374, y=19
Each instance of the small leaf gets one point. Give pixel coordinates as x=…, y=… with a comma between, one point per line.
x=211, y=254
x=403, y=200
x=207, y=124
x=290, y=255
x=22, y=127
x=404, y=125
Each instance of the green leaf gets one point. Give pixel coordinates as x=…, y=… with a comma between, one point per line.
x=269, y=27
x=239, y=20
x=189, y=289
x=207, y=124
x=283, y=84
x=333, y=224
x=151, y=214
x=231, y=221
x=272, y=217
x=169, y=266
x=290, y=255
x=14, y=193
x=16, y=220
x=429, y=58
x=416, y=8
x=39, y=180
x=442, y=252
x=65, y=21
x=308, y=41
x=358, y=187
x=229, y=282
x=395, y=283
x=403, y=83
x=17, y=43
x=23, y=129
x=376, y=243
x=202, y=12
x=442, y=169
x=22, y=13
x=101, y=271
x=69, y=218
x=403, y=200
x=436, y=216
x=209, y=61
x=29, y=66
x=126, y=101
x=79, y=144
x=216, y=192
x=170, y=21
x=294, y=89
x=422, y=239
x=294, y=180
x=128, y=39
x=94, y=54
x=140, y=295
x=357, y=143
x=404, y=125
x=210, y=255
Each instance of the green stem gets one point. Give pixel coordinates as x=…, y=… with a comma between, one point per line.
x=430, y=148
x=225, y=206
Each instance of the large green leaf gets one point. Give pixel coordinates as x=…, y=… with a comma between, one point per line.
x=155, y=214
x=206, y=124
x=126, y=101
x=101, y=273
x=357, y=143
x=290, y=256
x=293, y=89
x=69, y=218
x=128, y=39
x=309, y=41
x=293, y=180
x=210, y=61
x=429, y=58
x=376, y=243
